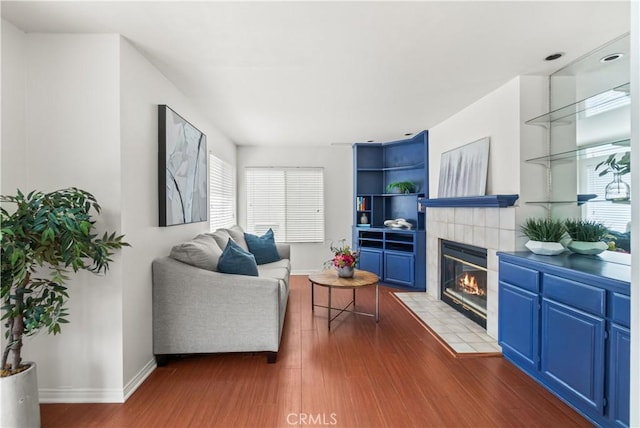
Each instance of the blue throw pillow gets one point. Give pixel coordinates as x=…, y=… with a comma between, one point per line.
x=263, y=247
x=236, y=260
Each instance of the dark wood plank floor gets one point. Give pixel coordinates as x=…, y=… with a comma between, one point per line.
x=393, y=374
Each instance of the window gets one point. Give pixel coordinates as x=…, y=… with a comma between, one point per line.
x=288, y=200
x=615, y=216
x=221, y=194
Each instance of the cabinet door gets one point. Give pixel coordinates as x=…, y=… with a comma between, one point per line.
x=398, y=267
x=619, y=375
x=572, y=357
x=518, y=325
x=371, y=261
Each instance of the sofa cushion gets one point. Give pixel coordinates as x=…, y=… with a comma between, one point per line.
x=267, y=271
x=236, y=260
x=221, y=236
x=201, y=252
x=237, y=234
x=263, y=247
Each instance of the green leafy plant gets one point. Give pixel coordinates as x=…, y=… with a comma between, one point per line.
x=45, y=237
x=402, y=186
x=545, y=230
x=586, y=230
x=620, y=166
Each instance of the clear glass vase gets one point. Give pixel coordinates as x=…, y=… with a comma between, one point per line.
x=617, y=190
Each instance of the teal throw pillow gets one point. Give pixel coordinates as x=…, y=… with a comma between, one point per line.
x=237, y=261
x=263, y=247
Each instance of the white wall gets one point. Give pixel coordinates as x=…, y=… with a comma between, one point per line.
x=142, y=88
x=72, y=137
x=501, y=115
x=338, y=179
x=90, y=120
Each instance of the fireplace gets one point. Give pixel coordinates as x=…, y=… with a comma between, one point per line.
x=463, y=279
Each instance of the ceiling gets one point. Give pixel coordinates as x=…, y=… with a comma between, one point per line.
x=320, y=73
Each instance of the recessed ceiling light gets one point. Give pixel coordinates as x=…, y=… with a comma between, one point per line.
x=611, y=57
x=553, y=56
x=369, y=141
x=408, y=134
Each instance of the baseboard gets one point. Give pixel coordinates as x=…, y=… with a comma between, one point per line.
x=89, y=395
x=304, y=272
x=80, y=395
x=140, y=377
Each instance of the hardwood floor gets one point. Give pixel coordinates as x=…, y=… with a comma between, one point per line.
x=393, y=374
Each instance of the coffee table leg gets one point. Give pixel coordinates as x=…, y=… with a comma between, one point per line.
x=354, y=298
x=313, y=305
x=329, y=310
x=377, y=308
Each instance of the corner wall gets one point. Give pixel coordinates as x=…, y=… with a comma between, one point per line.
x=82, y=111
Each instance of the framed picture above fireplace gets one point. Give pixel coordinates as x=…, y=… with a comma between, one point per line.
x=463, y=170
x=182, y=170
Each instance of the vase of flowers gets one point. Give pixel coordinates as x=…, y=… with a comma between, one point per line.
x=344, y=259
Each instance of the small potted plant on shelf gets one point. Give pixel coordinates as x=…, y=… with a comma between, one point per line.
x=587, y=236
x=344, y=259
x=544, y=236
x=44, y=237
x=402, y=187
x=617, y=190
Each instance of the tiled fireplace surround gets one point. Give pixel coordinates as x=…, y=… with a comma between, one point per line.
x=490, y=228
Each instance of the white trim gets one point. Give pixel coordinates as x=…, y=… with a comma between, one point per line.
x=84, y=395
x=139, y=378
x=89, y=395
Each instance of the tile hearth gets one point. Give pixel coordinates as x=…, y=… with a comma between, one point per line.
x=462, y=335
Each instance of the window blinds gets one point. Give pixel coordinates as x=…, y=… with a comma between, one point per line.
x=288, y=200
x=221, y=194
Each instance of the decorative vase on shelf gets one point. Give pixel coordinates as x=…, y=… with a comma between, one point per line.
x=345, y=272
x=364, y=219
x=587, y=248
x=545, y=248
x=617, y=190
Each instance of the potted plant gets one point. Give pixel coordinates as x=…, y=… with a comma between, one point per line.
x=587, y=236
x=617, y=190
x=44, y=237
x=402, y=187
x=544, y=236
x=344, y=259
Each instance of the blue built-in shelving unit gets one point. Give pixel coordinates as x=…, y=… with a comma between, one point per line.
x=396, y=255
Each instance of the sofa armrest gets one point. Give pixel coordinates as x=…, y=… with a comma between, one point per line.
x=284, y=251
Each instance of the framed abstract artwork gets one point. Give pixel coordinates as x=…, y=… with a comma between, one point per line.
x=182, y=170
x=463, y=170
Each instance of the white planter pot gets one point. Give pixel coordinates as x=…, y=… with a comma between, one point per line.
x=20, y=403
x=545, y=248
x=589, y=248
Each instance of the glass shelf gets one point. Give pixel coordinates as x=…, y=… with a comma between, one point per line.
x=569, y=114
x=586, y=150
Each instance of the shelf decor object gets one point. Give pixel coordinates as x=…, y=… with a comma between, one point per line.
x=617, y=190
x=544, y=236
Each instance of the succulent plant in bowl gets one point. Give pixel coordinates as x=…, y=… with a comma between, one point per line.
x=544, y=235
x=587, y=236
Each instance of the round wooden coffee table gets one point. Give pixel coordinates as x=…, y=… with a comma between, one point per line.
x=329, y=278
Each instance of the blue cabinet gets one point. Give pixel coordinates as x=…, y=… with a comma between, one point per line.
x=519, y=334
x=371, y=260
x=572, y=354
x=396, y=255
x=564, y=320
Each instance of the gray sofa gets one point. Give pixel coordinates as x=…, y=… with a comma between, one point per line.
x=197, y=309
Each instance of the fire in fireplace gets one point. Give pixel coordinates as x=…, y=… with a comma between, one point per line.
x=464, y=279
